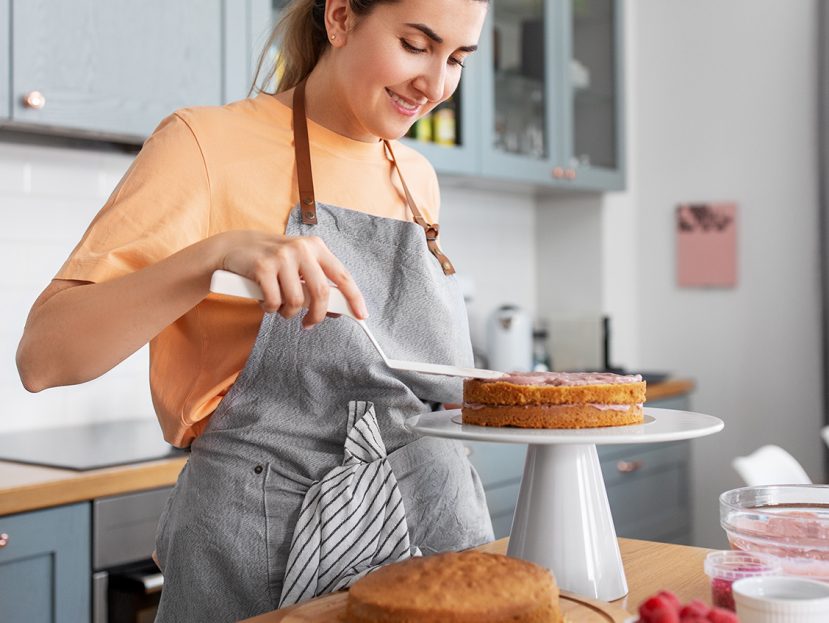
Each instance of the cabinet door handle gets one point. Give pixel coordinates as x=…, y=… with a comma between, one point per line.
x=628, y=467
x=4, y=540
x=34, y=100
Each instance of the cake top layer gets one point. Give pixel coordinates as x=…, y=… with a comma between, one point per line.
x=562, y=379
x=465, y=584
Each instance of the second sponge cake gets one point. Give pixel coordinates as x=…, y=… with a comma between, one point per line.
x=554, y=400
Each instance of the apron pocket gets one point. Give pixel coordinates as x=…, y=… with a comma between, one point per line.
x=444, y=500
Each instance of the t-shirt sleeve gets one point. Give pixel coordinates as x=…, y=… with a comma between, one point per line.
x=160, y=206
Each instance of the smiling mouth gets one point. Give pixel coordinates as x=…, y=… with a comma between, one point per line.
x=403, y=103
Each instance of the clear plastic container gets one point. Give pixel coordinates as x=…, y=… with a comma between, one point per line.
x=726, y=567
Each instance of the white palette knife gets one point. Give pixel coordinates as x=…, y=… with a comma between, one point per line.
x=226, y=282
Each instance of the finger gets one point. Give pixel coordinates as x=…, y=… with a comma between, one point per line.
x=337, y=273
x=317, y=286
x=266, y=278
x=291, y=289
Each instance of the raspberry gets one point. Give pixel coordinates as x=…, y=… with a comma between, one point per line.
x=693, y=618
x=695, y=607
x=671, y=598
x=721, y=615
x=658, y=609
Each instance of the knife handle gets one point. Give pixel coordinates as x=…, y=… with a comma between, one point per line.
x=231, y=284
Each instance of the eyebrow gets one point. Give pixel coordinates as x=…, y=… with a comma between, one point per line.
x=437, y=38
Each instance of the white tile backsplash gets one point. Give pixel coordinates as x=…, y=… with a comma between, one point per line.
x=489, y=236
x=48, y=195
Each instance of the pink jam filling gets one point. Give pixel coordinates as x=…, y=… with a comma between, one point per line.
x=797, y=537
x=565, y=378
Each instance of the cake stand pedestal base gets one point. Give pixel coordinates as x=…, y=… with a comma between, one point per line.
x=563, y=521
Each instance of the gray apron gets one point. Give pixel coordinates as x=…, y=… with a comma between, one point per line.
x=225, y=536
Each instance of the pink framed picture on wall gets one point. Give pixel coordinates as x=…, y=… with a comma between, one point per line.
x=706, y=245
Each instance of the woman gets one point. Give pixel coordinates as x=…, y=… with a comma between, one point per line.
x=302, y=475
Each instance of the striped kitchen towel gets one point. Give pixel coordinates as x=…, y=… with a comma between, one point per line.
x=351, y=521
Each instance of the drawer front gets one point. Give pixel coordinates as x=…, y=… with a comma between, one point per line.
x=501, y=502
x=648, y=489
x=44, y=565
x=497, y=463
x=501, y=525
x=503, y=499
x=124, y=527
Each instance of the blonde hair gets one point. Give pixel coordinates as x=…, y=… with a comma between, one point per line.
x=301, y=40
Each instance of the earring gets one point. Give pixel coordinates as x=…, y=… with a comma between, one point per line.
x=333, y=37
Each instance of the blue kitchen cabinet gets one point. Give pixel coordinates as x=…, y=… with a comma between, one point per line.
x=542, y=103
x=5, y=44
x=44, y=566
x=552, y=100
x=115, y=68
x=593, y=103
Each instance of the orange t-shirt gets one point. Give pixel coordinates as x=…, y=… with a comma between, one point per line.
x=209, y=170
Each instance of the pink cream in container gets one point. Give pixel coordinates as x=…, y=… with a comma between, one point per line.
x=726, y=567
x=790, y=522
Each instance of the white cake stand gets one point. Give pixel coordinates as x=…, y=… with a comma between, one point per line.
x=562, y=520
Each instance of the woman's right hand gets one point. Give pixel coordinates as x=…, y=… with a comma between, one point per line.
x=78, y=330
x=280, y=264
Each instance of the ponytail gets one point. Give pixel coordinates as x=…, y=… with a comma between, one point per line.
x=301, y=39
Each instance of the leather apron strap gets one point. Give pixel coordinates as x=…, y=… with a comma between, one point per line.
x=305, y=181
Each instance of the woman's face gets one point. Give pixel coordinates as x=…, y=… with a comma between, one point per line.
x=402, y=60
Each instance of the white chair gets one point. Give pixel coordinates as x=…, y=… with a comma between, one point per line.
x=770, y=465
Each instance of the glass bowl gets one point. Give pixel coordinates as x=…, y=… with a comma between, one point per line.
x=790, y=522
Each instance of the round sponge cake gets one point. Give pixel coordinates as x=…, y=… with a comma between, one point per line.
x=554, y=400
x=464, y=587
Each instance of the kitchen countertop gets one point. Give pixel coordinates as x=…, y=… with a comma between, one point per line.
x=649, y=567
x=28, y=487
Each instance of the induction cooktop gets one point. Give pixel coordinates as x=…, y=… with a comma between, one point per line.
x=90, y=446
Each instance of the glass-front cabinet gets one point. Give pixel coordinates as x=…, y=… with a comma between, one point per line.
x=593, y=87
x=542, y=102
x=521, y=119
x=552, y=102
x=449, y=136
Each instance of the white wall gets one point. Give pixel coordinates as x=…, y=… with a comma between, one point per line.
x=722, y=106
x=49, y=194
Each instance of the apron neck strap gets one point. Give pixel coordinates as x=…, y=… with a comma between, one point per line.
x=302, y=151
x=305, y=180
x=430, y=229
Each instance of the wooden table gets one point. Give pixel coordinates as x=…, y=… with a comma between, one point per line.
x=649, y=567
